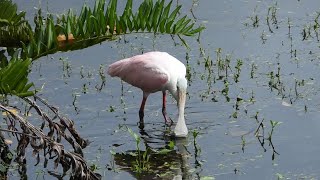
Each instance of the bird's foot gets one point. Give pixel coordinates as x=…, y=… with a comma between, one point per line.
x=141, y=125
x=168, y=121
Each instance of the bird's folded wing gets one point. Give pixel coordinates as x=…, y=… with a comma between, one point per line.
x=147, y=75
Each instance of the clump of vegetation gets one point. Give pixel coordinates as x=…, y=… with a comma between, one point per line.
x=149, y=162
x=91, y=26
x=59, y=128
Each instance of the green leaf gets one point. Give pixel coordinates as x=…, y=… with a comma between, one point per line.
x=171, y=145
x=207, y=178
x=13, y=78
x=129, y=24
x=174, y=13
x=168, y=27
x=50, y=34
x=95, y=25
x=68, y=30
x=166, y=10
x=179, y=23
x=164, y=151
x=182, y=26
x=123, y=24
x=25, y=94
x=136, y=137
x=128, y=9
x=275, y=123
x=164, y=18
x=188, y=28
x=156, y=18
x=192, y=32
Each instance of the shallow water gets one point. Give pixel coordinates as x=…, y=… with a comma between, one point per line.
x=227, y=145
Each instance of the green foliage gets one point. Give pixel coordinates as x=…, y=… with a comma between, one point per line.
x=91, y=26
x=44, y=39
x=156, y=17
x=94, y=25
x=13, y=78
x=141, y=163
x=13, y=27
x=8, y=15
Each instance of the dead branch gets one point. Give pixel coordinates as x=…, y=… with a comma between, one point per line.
x=28, y=134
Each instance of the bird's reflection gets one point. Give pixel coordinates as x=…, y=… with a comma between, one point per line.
x=171, y=164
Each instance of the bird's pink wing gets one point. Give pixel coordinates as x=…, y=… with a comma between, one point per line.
x=140, y=71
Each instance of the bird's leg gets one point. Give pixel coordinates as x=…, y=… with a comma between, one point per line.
x=141, y=111
x=164, y=112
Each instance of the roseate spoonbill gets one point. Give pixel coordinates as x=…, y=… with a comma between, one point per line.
x=152, y=72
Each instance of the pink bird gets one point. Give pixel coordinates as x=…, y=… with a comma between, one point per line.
x=152, y=72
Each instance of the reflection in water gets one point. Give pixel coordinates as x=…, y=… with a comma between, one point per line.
x=261, y=137
x=277, y=67
x=158, y=163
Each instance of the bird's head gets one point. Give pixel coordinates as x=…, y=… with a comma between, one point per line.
x=181, y=129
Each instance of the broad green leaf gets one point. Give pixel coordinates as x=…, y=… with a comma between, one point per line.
x=168, y=27
x=13, y=78
x=50, y=34
x=123, y=24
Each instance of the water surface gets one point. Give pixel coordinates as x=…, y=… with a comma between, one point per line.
x=278, y=81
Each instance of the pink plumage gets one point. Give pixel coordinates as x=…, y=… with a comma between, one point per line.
x=140, y=71
x=152, y=72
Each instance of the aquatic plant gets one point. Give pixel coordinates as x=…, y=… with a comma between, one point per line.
x=91, y=26
x=238, y=70
x=14, y=29
x=47, y=138
x=13, y=77
x=272, y=16
x=261, y=135
x=141, y=163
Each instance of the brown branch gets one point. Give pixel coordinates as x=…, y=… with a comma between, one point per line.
x=52, y=149
x=7, y=130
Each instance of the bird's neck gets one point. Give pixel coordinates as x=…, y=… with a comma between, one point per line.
x=181, y=105
x=181, y=129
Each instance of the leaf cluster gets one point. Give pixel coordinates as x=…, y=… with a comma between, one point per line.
x=13, y=26
x=94, y=25
x=14, y=77
x=8, y=14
